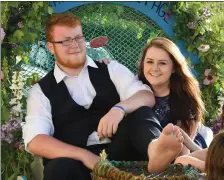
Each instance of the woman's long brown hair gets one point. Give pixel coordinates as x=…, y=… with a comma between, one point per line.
x=214, y=164
x=185, y=96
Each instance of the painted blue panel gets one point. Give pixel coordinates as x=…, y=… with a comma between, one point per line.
x=155, y=10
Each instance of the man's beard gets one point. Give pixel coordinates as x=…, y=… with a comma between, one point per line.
x=72, y=63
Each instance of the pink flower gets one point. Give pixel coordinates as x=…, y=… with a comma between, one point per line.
x=203, y=47
x=168, y=14
x=209, y=79
x=2, y=34
x=16, y=144
x=20, y=25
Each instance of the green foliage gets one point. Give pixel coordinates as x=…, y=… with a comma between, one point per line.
x=201, y=23
x=15, y=162
x=22, y=23
x=113, y=15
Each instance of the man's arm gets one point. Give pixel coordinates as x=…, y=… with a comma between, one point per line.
x=139, y=99
x=49, y=147
x=133, y=94
x=109, y=123
x=38, y=130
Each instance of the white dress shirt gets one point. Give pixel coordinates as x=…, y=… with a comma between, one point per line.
x=39, y=117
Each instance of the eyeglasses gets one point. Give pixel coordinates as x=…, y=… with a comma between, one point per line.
x=78, y=39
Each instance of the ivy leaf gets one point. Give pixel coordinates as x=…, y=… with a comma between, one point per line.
x=14, y=4
x=33, y=37
x=18, y=34
x=202, y=58
x=217, y=28
x=202, y=30
x=217, y=86
x=5, y=114
x=35, y=6
x=25, y=59
x=40, y=4
x=29, y=81
x=30, y=23
x=139, y=35
x=50, y=10
x=12, y=177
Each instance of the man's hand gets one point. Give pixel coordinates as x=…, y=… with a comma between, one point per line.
x=109, y=123
x=90, y=160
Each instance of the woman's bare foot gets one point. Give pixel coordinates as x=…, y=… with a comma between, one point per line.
x=165, y=149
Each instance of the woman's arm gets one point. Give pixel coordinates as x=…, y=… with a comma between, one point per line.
x=189, y=160
x=195, y=159
x=189, y=144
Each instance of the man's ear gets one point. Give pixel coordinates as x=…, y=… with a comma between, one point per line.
x=50, y=47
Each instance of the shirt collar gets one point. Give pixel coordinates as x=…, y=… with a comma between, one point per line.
x=60, y=75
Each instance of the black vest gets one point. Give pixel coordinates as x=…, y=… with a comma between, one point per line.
x=72, y=122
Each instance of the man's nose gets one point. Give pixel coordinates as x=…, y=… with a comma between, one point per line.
x=74, y=44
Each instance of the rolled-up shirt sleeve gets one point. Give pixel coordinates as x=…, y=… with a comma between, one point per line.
x=125, y=81
x=39, y=118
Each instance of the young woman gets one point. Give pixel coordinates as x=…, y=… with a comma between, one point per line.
x=178, y=97
x=177, y=92
x=210, y=161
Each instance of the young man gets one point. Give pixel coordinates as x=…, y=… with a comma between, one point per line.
x=78, y=108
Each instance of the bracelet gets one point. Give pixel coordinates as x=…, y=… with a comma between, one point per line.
x=120, y=107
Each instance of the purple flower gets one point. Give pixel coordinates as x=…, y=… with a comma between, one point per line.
x=217, y=125
x=20, y=25
x=7, y=130
x=13, y=45
x=206, y=12
x=2, y=34
x=7, y=137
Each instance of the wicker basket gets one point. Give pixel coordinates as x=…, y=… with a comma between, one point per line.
x=126, y=170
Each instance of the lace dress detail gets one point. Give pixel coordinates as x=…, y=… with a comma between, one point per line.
x=162, y=110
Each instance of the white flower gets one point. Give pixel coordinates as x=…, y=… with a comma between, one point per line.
x=21, y=84
x=13, y=86
x=12, y=101
x=204, y=48
x=20, y=25
x=208, y=20
x=19, y=95
x=18, y=107
x=18, y=59
x=191, y=25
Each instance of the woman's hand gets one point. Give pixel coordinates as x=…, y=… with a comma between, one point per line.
x=104, y=60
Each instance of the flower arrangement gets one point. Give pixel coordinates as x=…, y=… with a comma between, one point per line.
x=17, y=36
x=200, y=26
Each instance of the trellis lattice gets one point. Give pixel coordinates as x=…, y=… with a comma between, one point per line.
x=127, y=29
